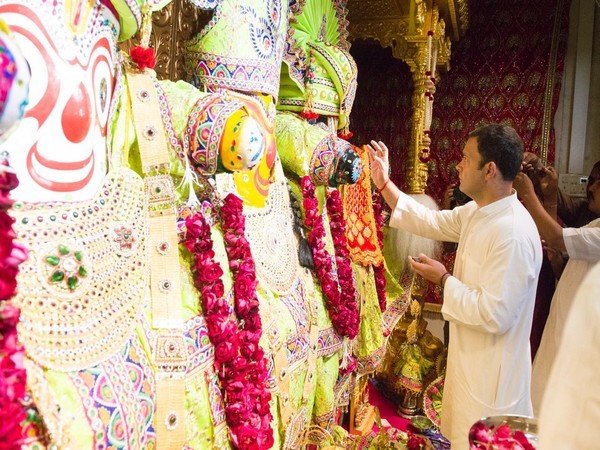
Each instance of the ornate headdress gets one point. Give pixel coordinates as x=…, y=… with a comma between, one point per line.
x=241, y=48
x=319, y=76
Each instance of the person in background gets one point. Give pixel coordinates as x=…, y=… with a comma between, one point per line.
x=453, y=197
x=581, y=244
x=571, y=211
x=489, y=299
x=570, y=409
x=546, y=189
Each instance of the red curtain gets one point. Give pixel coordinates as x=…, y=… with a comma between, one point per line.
x=500, y=72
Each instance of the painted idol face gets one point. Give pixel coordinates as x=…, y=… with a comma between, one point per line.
x=59, y=148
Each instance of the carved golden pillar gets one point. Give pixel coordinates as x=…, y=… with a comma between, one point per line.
x=417, y=35
x=421, y=55
x=416, y=164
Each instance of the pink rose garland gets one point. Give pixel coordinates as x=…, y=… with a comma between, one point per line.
x=239, y=360
x=12, y=370
x=502, y=438
x=379, y=271
x=341, y=297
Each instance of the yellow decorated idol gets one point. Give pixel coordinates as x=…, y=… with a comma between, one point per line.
x=243, y=142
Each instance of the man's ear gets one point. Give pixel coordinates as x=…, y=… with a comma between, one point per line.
x=490, y=169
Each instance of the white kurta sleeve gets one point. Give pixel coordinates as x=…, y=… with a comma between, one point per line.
x=583, y=243
x=494, y=303
x=411, y=216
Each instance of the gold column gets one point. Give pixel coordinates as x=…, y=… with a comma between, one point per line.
x=416, y=33
x=422, y=54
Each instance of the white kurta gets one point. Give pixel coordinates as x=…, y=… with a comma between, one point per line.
x=570, y=411
x=489, y=304
x=583, y=248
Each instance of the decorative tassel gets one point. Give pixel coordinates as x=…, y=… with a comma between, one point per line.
x=190, y=180
x=308, y=113
x=348, y=362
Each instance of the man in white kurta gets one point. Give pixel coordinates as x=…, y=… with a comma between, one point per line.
x=570, y=411
x=489, y=300
x=583, y=247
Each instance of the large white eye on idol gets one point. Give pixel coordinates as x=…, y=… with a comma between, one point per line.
x=243, y=142
x=14, y=83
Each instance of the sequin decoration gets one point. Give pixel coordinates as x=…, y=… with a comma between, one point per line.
x=274, y=247
x=79, y=299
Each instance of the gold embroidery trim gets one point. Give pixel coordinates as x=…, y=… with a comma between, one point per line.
x=161, y=195
x=169, y=350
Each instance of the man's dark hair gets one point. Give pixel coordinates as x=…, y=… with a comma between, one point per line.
x=502, y=145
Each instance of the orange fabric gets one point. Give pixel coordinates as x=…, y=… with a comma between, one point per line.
x=361, y=228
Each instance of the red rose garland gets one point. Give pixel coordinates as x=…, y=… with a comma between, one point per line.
x=239, y=360
x=379, y=271
x=343, y=310
x=12, y=370
x=342, y=261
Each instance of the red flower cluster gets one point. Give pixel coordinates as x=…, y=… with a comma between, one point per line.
x=239, y=360
x=482, y=437
x=309, y=114
x=250, y=394
x=143, y=57
x=12, y=379
x=342, y=304
x=345, y=136
x=12, y=370
x=415, y=442
x=379, y=271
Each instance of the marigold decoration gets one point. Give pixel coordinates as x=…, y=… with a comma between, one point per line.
x=239, y=360
x=379, y=271
x=340, y=293
x=12, y=353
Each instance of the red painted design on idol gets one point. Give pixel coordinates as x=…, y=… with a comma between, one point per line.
x=76, y=117
x=71, y=110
